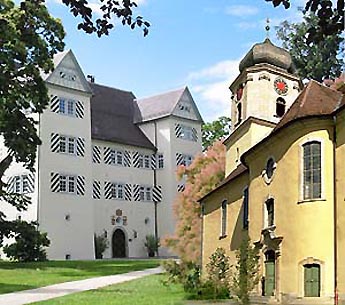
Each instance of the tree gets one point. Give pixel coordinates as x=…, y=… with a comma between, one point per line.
x=215, y=130
x=246, y=275
x=29, y=38
x=122, y=10
x=331, y=18
x=29, y=244
x=205, y=172
x=318, y=61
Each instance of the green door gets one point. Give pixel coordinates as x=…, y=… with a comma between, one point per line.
x=311, y=280
x=269, y=278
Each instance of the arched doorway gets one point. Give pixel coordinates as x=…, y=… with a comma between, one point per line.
x=119, y=244
x=270, y=273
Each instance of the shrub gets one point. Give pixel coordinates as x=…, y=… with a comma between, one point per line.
x=151, y=244
x=29, y=243
x=101, y=244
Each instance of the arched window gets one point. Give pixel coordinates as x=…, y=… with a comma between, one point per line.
x=280, y=107
x=239, y=113
x=312, y=170
x=245, y=208
x=270, y=212
x=224, y=218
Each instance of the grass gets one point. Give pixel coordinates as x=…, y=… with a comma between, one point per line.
x=145, y=291
x=21, y=276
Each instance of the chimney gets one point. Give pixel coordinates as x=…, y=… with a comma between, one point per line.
x=91, y=78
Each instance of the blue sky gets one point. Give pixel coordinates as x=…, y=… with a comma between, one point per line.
x=197, y=43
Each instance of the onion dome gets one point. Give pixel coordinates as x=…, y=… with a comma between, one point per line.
x=267, y=52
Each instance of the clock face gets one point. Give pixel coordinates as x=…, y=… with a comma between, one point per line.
x=280, y=86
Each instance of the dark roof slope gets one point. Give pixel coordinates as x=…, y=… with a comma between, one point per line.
x=112, y=113
x=315, y=100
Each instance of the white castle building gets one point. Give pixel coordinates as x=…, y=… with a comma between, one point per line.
x=106, y=165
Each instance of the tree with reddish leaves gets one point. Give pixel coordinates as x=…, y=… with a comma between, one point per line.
x=205, y=172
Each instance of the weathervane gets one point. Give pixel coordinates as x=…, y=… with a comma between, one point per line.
x=267, y=28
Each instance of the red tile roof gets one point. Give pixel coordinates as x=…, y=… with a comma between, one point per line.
x=314, y=100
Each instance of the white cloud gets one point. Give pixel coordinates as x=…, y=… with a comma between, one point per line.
x=210, y=88
x=241, y=10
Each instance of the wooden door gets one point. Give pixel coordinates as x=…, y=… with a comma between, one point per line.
x=270, y=273
x=119, y=244
x=312, y=280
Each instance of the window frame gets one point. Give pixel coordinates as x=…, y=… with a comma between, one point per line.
x=67, y=182
x=223, y=218
x=301, y=170
x=65, y=142
x=64, y=106
x=186, y=133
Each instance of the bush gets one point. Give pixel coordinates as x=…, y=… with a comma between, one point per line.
x=152, y=244
x=185, y=273
x=101, y=244
x=29, y=243
x=216, y=285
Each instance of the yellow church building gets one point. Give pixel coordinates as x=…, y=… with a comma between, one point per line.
x=285, y=182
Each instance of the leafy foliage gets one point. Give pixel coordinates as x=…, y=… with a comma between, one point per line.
x=246, y=275
x=29, y=244
x=318, y=61
x=205, y=172
x=122, y=10
x=152, y=244
x=185, y=273
x=29, y=38
x=216, y=130
x=331, y=18
x=101, y=244
x=218, y=274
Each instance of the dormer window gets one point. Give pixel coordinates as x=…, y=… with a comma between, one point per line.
x=280, y=107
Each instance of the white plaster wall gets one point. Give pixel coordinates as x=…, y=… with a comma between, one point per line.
x=73, y=237
x=136, y=212
x=169, y=145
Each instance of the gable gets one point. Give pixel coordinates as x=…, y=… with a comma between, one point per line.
x=68, y=73
x=186, y=108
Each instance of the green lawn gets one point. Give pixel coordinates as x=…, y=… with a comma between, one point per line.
x=21, y=276
x=145, y=291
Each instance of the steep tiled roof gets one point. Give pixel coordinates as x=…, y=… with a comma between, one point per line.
x=314, y=100
x=157, y=106
x=112, y=113
x=239, y=170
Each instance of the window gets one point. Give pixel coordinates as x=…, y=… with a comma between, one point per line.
x=224, y=218
x=245, y=208
x=145, y=193
x=147, y=162
x=67, y=107
x=141, y=161
x=117, y=191
x=116, y=157
x=270, y=212
x=67, y=145
x=67, y=184
x=280, y=107
x=270, y=167
x=312, y=170
x=22, y=184
x=184, y=107
x=186, y=132
x=160, y=161
x=239, y=113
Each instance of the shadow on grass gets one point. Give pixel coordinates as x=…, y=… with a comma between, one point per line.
x=100, y=267
x=7, y=288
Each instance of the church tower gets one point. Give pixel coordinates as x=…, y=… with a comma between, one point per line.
x=261, y=94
